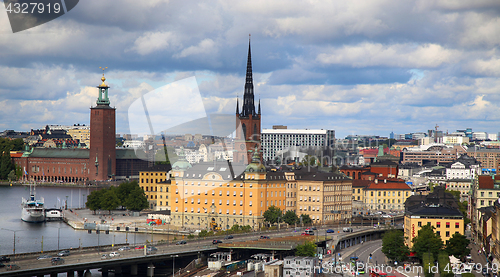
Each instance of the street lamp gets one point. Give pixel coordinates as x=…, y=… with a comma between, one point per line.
x=173, y=264
x=14, y=249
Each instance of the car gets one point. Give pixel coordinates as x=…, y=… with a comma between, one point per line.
x=104, y=256
x=114, y=254
x=124, y=248
x=57, y=261
x=63, y=253
x=314, y=228
x=181, y=242
x=139, y=247
x=2, y=265
x=229, y=237
x=347, y=229
x=264, y=237
x=43, y=257
x=151, y=250
x=12, y=267
x=216, y=241
x=330, y=231
x=4, y=259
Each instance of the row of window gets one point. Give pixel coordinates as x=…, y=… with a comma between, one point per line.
x=387, y=193
x=155, y=174
x=250, y=203
x=438, y=224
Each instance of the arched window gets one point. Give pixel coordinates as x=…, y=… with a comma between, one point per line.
x=244, y=128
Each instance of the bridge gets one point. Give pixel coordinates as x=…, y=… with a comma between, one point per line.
x=136, y=262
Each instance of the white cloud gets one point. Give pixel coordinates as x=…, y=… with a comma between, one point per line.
x=205, y=47
x=154, y=41
x=394, y=55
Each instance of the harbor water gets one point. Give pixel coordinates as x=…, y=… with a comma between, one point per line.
x=50, y=235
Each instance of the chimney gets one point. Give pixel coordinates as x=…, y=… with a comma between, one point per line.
x=376, y=181
x=385, y=181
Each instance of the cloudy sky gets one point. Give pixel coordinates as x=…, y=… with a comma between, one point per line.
x=358, y=67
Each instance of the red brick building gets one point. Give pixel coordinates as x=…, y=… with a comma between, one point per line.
x=99, y=163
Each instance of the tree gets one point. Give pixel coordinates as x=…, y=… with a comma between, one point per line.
x=308, y=249
x=310, y=161
x=306, y=219
x=428, y=262
x=393, y=245
x=290, y=217
x=427, y=241
x=124, y=190
x=136, y=200
x=457, y=246
x=444, y=265
x=93, y=200
x=109, y=200
x=273, y=214
x=6, y=165
x=12, y=175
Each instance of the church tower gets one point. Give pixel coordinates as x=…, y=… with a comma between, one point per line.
x=102, y=137
x=248, y=126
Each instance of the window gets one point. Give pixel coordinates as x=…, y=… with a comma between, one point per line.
x=371, y=194
x=438, y=224
x=447, y=225
x=482, y=202
x=447, y=234
x=419, y=224
x=457, y=225
x=251, y=203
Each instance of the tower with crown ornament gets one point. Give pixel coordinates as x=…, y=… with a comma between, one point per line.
x=102, y=137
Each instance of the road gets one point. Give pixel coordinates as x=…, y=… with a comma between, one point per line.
x=82, y=257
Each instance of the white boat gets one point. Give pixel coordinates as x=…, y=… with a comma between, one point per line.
x=33, y=210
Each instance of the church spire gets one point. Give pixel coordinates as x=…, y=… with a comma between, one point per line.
x=248, y=98
x=259, y=106
x=237, y=105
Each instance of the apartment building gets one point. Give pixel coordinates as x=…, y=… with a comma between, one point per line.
x=488, y=157
x=155, y=183
x=387, y=195
x=275, y=142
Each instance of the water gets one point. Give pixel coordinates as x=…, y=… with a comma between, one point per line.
x=56, y=235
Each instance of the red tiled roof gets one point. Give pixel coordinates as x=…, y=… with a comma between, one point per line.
x=360, y=183
x=389, y=185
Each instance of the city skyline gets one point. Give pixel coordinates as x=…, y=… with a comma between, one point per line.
x=356, y=68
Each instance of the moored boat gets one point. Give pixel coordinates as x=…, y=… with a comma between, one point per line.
x=33, y=209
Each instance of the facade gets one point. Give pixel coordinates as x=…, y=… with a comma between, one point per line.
x=465, y=167
x=80, y=133
x=431, y=153
x=276, y=141
x=324, y=196
x=444, y=219
x=220, y=195
x=248, y=122
x=461, y=185
x=386, y=194
x=488, y=157
x=301, y=266
x=155, y=183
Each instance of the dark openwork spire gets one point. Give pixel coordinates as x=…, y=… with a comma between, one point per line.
x=248, y=98
x=237, y=105
x=259, y=106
